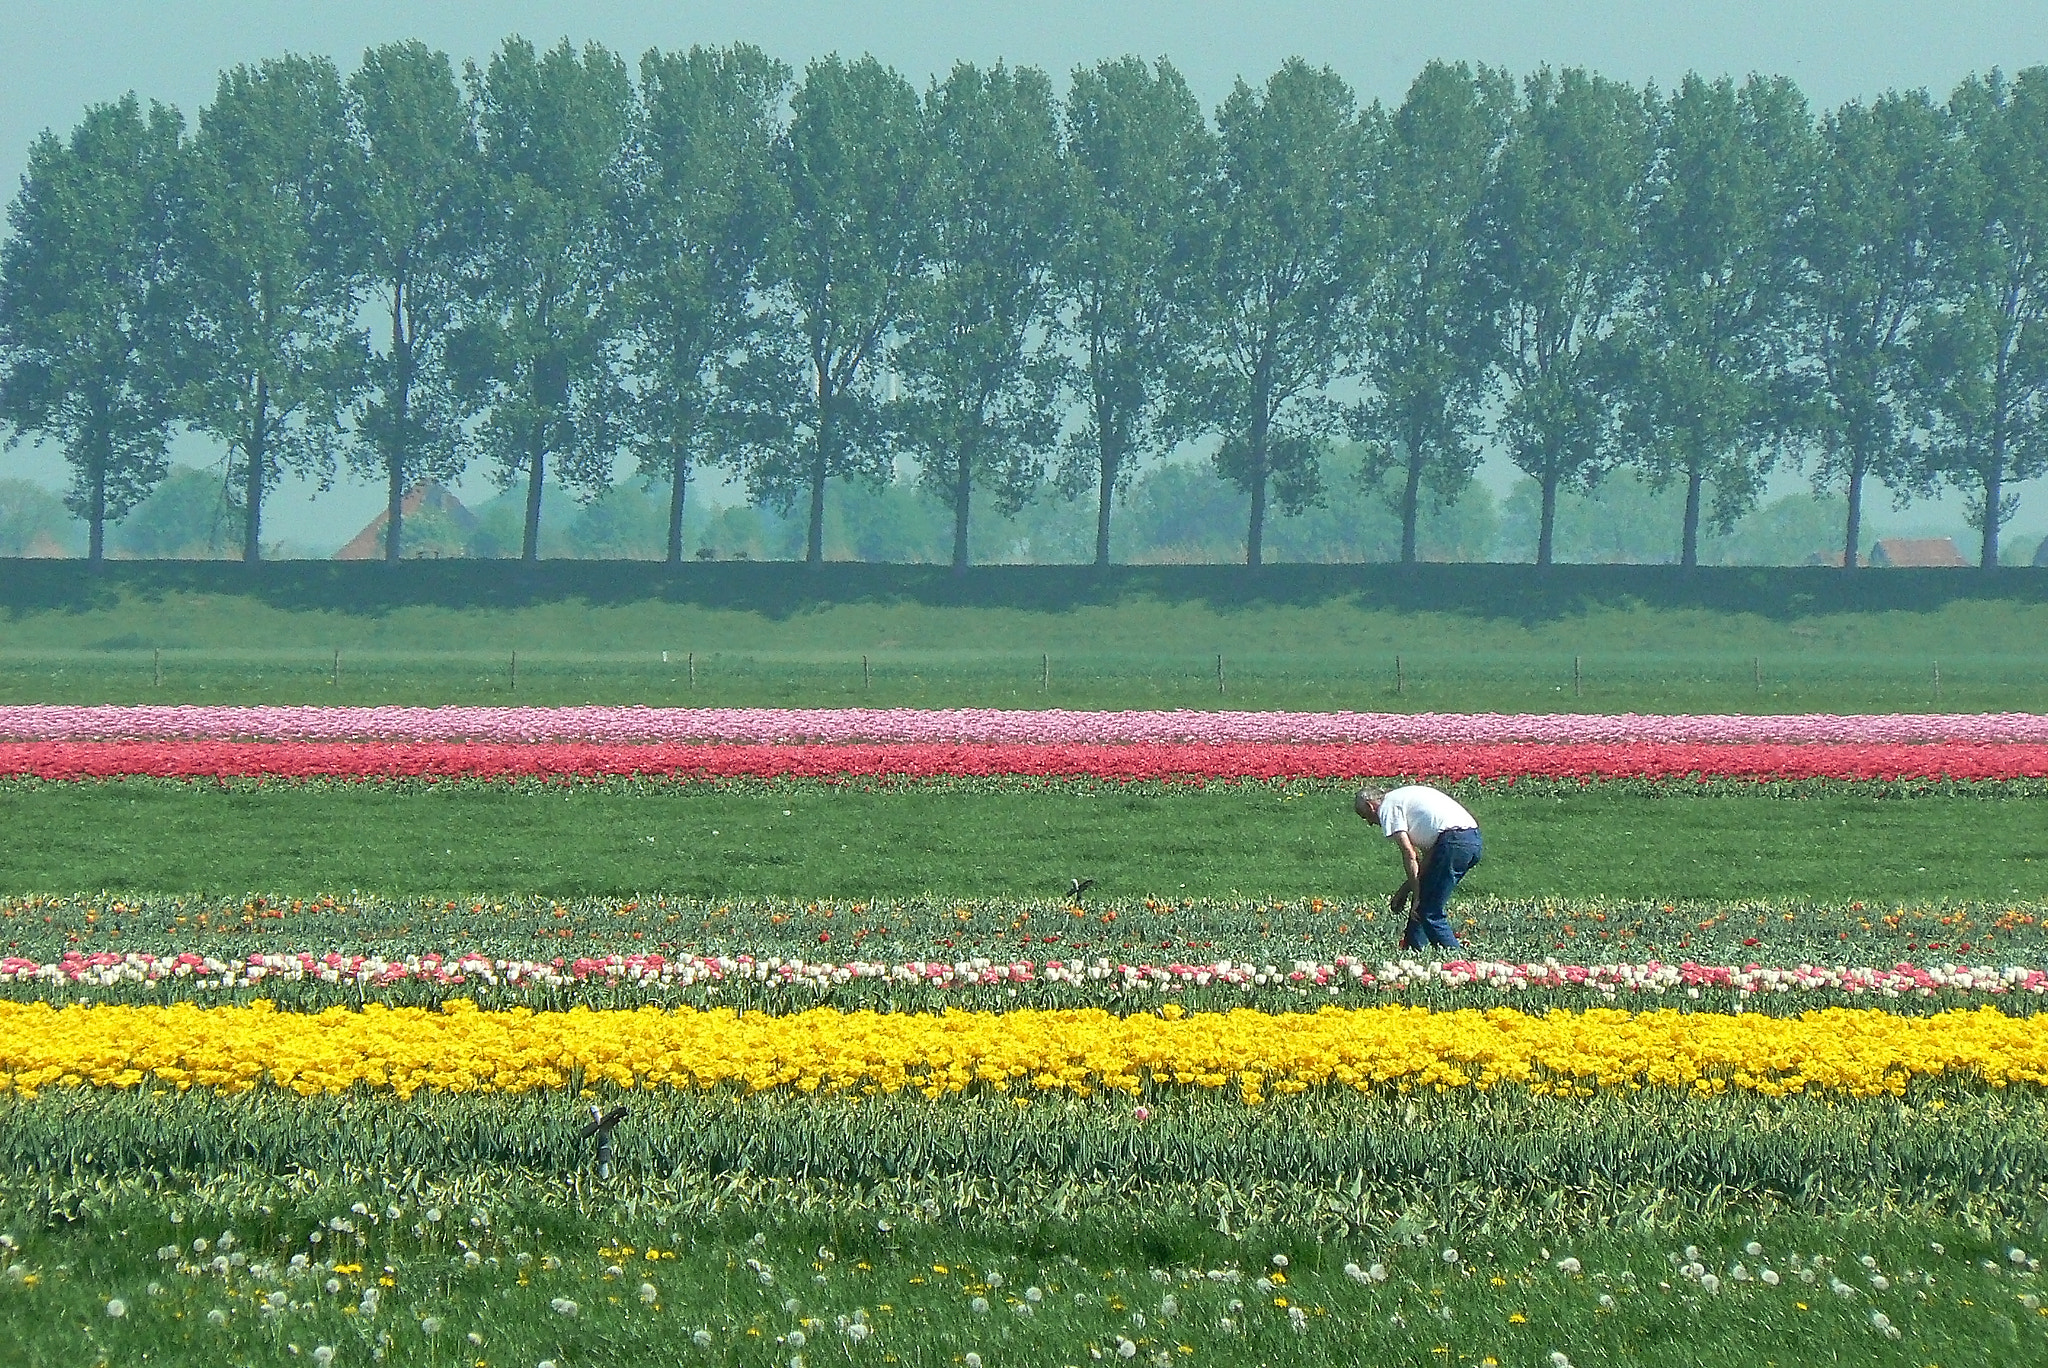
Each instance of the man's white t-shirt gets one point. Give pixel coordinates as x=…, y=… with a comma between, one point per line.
x=1424, y=813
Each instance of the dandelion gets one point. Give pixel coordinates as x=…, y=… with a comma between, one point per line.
x=856, y=1332
x=1768, y=1277
x=971, y=1359
x=1879, y=1282
x=1450, y=1256
x=1753, y=1249
x=476, y=1339
x=1559, y=1360
x=471, y=1259
x=1867, y=1261
x=430, y=1325
x=333, y=1286
x=1125, y=1349
x=1606, y=1302
x=648, y=1295
x=1033, y=1295
x=216, y=1318
x=116, y=1307
x=547, y=1363
x=433, y=1215
x=702, y=1339
x=1880, y=1321
x=1279, y=1261
x=1169, y=1307
x=1297, y=1319
x=323, y=1354
x=2018, y=1256
x=564, y=1307
x=1709, y=1284
x=1568, y=1265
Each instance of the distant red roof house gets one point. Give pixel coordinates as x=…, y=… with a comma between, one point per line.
x=1903, y=551
x=428, y=496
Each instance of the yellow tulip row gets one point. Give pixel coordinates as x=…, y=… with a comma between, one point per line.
x=461, y=1049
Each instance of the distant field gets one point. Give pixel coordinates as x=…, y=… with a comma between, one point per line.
x=1506, y=638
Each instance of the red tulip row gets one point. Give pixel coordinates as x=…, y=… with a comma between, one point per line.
x=1174, y=762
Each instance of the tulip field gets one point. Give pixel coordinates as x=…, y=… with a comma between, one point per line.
x=558, y=1036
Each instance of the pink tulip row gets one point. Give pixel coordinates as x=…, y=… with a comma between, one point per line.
x=656, y=973
x=978, y=726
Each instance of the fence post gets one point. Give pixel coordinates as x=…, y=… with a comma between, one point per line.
x=1937, y=683
x=1759, y=664
x=1578, y=680
x=335, y=680
x=1045, y=667
x=1219, y=672
x=156, y=665
x=867, y=678
x=515, y=672
x=1397, y=675
x=693, y=669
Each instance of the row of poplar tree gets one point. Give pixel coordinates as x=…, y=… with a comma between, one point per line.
x=544, y=265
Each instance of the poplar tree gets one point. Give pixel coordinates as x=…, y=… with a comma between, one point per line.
x=414, y=221
x=270, y=352
x=1281, y=294
x=980, y=378
x=82, y=318
x=700, y=226
x=536, y=348
x=1983, y=356
x=1431, y=337
x=1138, y=157
x=1559, y=236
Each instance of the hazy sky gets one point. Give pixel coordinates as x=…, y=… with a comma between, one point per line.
x=57, y=56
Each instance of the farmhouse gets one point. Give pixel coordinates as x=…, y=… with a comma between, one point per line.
x=1908, y=551
x=430, y=498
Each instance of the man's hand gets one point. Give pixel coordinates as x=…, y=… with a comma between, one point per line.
x=1398, y=904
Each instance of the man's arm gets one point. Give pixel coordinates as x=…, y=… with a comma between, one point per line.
x=1411, y=863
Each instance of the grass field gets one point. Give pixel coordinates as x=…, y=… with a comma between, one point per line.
x=1201, y=1208
x=1468, y=638
x=1829, y=843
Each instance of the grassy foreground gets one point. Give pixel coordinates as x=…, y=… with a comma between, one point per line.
x=467, y=1273
x=1831, y=843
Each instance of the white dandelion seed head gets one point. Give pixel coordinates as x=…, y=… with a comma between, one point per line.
x=216, y=1318
x=1033, y=1295
x=971, y=1359
x=1753, y=1249
x=430, y=1325
x=116, y=1307
x=1450, y=1256
x=433, y=1215
x=333, y=1285
x=1709, y=1283
x=323, y=1354
x=979, y=1306
x=1568, y=1265
x=856, y=1332
x=1606, y=1302
x=564, y=1307
x=1125, y=1349
x=701, y=1338
x=648, y=1294
x=1279, y=1261
x=1769, y=1277
x=2018, y=1256
x=1558, y=1359
x=1169, y=1306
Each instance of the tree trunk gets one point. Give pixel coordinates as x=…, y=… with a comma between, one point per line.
x=1112, y=457
x=252, y=489
x=678, y=489
x=1994, y=489
x=397, y=445
x=1411, y=503
x=963, y=491
x=1689, y=546
x=1546, y=523
x=394, y=507
x=814, y=543
x=96, y=521
x=1857, y=462
x=1255, y=535
x=536, y=479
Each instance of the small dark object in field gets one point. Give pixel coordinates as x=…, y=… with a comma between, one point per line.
x=1079, y=886
x=602, y=1124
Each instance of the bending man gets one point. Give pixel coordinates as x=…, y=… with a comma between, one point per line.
x=1439, y=842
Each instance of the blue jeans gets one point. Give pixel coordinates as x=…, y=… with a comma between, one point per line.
x=1455, y=852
